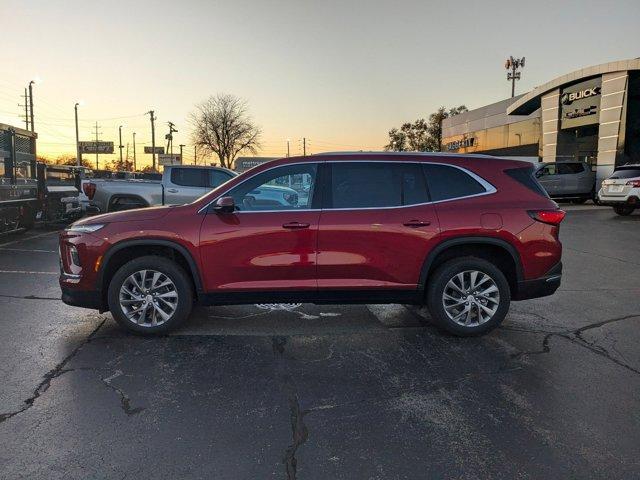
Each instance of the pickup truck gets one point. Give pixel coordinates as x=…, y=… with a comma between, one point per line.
x=180, y=184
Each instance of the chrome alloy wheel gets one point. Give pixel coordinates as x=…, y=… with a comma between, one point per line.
x=148, y=298
x=471, y=298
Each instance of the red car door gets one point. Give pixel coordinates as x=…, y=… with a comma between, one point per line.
x=376, y=227
x=269, y=243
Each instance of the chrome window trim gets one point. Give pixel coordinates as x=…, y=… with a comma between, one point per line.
x=489, y=188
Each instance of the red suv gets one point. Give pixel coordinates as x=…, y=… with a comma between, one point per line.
x=464, y=235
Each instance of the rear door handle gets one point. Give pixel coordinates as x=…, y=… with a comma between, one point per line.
x=416, y=223
x=295, y=225
x=172, y=190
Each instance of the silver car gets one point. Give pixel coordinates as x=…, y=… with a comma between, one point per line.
x=573, y=181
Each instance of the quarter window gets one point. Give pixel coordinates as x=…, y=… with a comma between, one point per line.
x=289, y=187
x=376, y=185
x=449, y=182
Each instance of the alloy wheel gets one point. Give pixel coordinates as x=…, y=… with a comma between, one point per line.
x=148, y=298
x=471, y=298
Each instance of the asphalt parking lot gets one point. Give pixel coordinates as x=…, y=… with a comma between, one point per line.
x=328, y=392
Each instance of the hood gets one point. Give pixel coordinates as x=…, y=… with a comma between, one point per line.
x=150, y=213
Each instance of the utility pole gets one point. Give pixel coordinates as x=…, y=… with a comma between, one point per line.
x=181, y=147
x=26, y=109
x=31, y=103
x=304, y=147
x=134, y=151
x=169, y=137
x=126, y=159
x=288, y=151
x=78, y=153
x=96, y=145
x=120, y=142
x=153, y=139
x=195, y=154
x=513, y=64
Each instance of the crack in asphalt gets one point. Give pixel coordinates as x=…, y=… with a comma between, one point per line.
x=52, y=374
x=125, y=401
x=299, y=431
x=575, y=336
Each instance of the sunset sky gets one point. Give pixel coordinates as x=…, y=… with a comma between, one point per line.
x=340, y=73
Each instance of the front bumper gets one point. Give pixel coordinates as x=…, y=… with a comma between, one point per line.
x=540, y=287
x=82, y=298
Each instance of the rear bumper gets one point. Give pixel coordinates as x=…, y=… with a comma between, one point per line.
x=82, y=298
x=631, y=200
x=540, y=287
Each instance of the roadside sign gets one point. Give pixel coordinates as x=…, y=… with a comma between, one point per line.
x=159, y=150
x=169, y=159
x=99, y=146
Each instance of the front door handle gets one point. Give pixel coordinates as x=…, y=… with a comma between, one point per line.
x=172, y=190
x=416, y=223
x=295, y=225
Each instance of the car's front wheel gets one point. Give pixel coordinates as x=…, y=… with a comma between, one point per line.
x=623, y=210
x=150, y=295
x=468, y=296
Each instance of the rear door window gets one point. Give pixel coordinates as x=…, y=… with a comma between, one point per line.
x=189, y=177
x=375, y=185
x=447, y=182
x=570, y=168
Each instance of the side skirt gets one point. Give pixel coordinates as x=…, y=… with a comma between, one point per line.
x=326, y=297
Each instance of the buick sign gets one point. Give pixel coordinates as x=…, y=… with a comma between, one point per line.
x=570, y=97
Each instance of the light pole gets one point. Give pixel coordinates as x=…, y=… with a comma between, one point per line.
x=78, y=153
x=288, y=152
x=181, y=147
x=120, y=145
x=134, y=151
x=153, y=139
x=513, y=64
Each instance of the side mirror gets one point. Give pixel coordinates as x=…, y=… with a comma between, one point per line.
x=225, y=205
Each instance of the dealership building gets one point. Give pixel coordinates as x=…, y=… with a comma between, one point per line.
x=592, y=115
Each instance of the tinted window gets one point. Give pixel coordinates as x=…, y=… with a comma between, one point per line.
x=189, y=177
x=376, y=184
x=569, y=168
x=288, y=187
x=218, y=177
x=626, y=173
x=449, y=182
x=525, y=177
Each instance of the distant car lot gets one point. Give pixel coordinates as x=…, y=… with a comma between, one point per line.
x=302, y=391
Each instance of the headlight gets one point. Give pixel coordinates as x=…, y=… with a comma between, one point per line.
x=85, y=228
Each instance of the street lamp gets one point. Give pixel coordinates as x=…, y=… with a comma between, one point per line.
x=288, y=151
x=78, y=152
x=513, y=64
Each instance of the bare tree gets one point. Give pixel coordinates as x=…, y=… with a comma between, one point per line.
x=221, y=125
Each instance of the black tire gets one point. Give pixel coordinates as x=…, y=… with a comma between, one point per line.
x=623, y=210
x=120, y=203
x=436, y=287
x=167, y=267
x=579, y=201
x=27, y=219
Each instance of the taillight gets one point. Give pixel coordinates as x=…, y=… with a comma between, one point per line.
x=551, y=217
x=89, y=189
x=634, y=183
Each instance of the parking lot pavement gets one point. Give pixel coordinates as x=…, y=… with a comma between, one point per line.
x=319, y=392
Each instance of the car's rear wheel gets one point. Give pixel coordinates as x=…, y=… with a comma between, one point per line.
x=623, y=210
x=150, y=295
x=468, y=296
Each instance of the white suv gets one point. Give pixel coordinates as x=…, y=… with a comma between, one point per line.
x=622, y=189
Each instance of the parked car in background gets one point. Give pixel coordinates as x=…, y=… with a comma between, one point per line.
x=574, y=181
x=622, y=189
x=464, y=235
